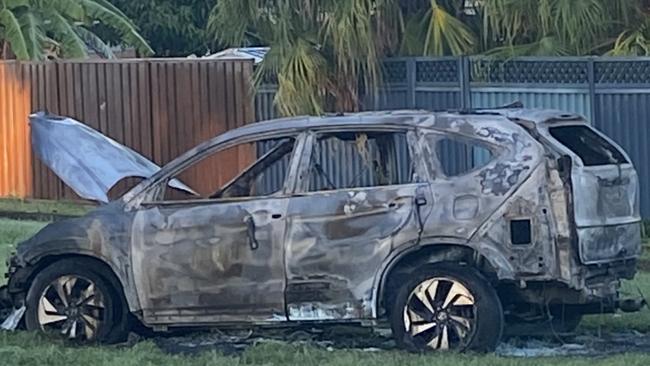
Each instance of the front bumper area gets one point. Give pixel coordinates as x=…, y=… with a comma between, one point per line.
x=10, y=315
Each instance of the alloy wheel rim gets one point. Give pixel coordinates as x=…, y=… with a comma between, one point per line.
x=440, y=314
x=73, y=306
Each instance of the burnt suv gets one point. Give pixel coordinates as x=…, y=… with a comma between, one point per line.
x=447, y=226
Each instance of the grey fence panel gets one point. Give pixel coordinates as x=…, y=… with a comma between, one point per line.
x=264, y=106
x=613, y=93
x=572, y=100
x=437, y=100
x=388, y=98
x=624, y=118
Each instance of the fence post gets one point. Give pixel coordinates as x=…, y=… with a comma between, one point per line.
x=591, y=77
x=464, y=79
x=411, y=79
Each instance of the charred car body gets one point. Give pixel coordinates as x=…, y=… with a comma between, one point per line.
x=444, y=225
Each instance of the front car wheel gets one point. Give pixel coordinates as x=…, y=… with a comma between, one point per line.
x=71, y=299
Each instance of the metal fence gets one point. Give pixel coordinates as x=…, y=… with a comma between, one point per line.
x=613, y=93
x=15, y=152
x=158, y=107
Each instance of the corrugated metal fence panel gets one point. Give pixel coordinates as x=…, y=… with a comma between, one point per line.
x=389, y=97
x=264, y=104
x=159, y=108
x=437, y=99
x=15, y=153
x=576, y=101
x=624, y=117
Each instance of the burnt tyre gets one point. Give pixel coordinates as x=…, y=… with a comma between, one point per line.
x=446, y=307
x=72, y=298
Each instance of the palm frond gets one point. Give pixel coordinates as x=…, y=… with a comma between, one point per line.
x=95, y=43
x=446, y=32
x=579, y=23
x=631, y=43
x=96, y=10
x=547, y=46
x=11, y=31
x=302, y=78
x=230, y=20
x=34, y=36
x=72, y=46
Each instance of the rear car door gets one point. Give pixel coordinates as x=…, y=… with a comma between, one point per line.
x=357, y=198
x=606, y=194
x=218, y=258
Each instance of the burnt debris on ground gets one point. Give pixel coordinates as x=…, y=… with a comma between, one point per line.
x=592, y=343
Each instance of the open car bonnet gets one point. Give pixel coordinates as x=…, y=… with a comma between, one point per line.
x=86, y=160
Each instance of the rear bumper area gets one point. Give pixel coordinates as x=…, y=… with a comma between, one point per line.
x=604, y=244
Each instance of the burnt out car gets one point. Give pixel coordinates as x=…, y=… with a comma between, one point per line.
x=446, y=226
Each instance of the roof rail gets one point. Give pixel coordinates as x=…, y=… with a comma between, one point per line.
x=514, y=105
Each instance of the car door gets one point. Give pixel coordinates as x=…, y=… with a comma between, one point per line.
x=219, y=258
x=355, y=202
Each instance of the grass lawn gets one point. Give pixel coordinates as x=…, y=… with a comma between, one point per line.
x=45, y=206
x=11, y=233
x=23, y=348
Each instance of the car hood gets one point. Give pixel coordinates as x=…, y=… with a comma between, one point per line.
x=86, y=160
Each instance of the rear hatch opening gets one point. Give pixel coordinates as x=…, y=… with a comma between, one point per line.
x=606, y=194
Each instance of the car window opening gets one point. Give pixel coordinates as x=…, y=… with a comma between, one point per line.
x=590, y=147
x=458, y=157
x=354, y=160
x=246, y=170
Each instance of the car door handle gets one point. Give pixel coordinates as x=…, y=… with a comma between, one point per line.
x=276, y=216
x=250, y=229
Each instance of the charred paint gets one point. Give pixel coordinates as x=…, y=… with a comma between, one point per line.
x=320, y=256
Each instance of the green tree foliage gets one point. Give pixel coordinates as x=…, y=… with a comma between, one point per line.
x=35, y=29
x=320, y=49
x=323, y=50
x=172, y=27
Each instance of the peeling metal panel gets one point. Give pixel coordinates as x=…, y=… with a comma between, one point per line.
x=198, y=258
x=318, y=256
x=602, y=243
x=336, y=243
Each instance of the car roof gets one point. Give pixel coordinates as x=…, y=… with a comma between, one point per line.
x=492, y=124
x=399, y=118
x=535, y=115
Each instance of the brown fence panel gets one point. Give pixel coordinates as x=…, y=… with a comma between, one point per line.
x=15, y=152
x=158, y=107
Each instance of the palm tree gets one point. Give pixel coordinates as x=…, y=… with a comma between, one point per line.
x=323, y=51
x=561, y=27
x=32, y=29
x=320, y=49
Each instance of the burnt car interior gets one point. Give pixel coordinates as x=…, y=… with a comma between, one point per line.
x=251, y=182
x=369, y=159
x=460, y=156
x=265, y=164
x=588, y=145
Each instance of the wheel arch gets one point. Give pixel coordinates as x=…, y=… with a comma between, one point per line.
x=24, y=276
x=402, y=263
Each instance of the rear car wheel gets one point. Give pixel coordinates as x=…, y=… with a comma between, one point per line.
x=447, y=307
x=71, y=298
